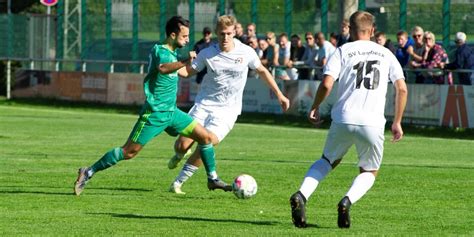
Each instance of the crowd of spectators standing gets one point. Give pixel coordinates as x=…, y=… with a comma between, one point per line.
x=418, y=53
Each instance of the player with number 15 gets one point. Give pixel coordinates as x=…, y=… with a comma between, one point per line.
x=364, y=70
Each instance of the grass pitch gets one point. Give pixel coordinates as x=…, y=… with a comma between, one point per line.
x=425, y=186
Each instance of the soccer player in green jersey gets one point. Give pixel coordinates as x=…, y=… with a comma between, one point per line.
x=159, y=113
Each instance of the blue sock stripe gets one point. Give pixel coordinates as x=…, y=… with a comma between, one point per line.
x=189, y=168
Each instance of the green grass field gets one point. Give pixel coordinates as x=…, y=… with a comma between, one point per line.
x=425, y=187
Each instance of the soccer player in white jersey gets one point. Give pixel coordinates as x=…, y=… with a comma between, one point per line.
x=365, y=70
x=219, y=101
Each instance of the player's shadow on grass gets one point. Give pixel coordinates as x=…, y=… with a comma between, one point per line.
x=35, y=192
x=121, y=189
x=135, y=216
x=66, y=193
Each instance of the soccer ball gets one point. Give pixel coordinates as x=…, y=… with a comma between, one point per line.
x=244, y=186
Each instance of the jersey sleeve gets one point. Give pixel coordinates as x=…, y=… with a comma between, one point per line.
x=198, y=63
x=153, y=59
x=333, y=66
x=395, y=69
x=254, y=61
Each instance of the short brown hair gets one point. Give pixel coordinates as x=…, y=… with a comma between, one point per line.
x=379, y=34
x=402, y=33
x=345, y=22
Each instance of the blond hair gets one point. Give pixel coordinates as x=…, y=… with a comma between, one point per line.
x=225, y=21
x=417, y=29
x=361, y=21
x=429, y=34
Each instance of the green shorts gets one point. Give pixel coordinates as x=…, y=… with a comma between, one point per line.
x=150, y=124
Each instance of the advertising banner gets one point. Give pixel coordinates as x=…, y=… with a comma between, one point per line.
x=259, y=98
x=457, y=105
x=125, y=88
x=438, y=105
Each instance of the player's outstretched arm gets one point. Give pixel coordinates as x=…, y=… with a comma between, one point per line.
x=167, y=68
x=400, y=103
x=187, y=71
x=268, y=78
x=323, y=91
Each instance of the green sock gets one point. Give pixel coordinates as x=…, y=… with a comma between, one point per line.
x=208, y=159
x=109, y=159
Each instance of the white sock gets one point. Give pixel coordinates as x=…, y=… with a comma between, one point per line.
x=212, y=175
x=362, y=183
x=315, y=174
x=90, y=173
x=186, y=173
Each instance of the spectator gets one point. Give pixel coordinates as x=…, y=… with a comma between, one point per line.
x=253, y=43
x=434, y=57
x=417, y=53
x=251, y=30
x=344, y=36
x=333, y=39
x=308, y=57
x=381, y=38
x=464, y=59
x=263, y=45
x=239, y=33
x=284, y=59
x=325, y=50
x=200, y=45
x=404, y=45
x=297, y=48
x=296, y=55
x=272, y=51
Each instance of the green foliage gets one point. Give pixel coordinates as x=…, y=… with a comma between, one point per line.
x=424, y=188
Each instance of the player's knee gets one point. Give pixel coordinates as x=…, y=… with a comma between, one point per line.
x=129, y=153
x=374, y=172
x=335, y=163
x=180, y=147
x=205, y=138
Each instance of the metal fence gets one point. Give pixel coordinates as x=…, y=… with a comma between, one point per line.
x=126, y=29
x=116, y=35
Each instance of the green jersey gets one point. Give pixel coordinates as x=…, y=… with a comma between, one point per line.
x=160, y=89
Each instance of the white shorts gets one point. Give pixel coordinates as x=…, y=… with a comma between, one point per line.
x=217, y=120
x=368, y=141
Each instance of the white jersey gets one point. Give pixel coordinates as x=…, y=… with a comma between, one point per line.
x=364, y=69
x=223, y=85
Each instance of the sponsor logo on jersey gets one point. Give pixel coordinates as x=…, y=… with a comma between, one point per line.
x=239, y=60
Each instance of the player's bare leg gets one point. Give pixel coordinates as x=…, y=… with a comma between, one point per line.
x=362, y=183
x=112, y=157
x=205, y=152
x=192, y=165
x=182, y=148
